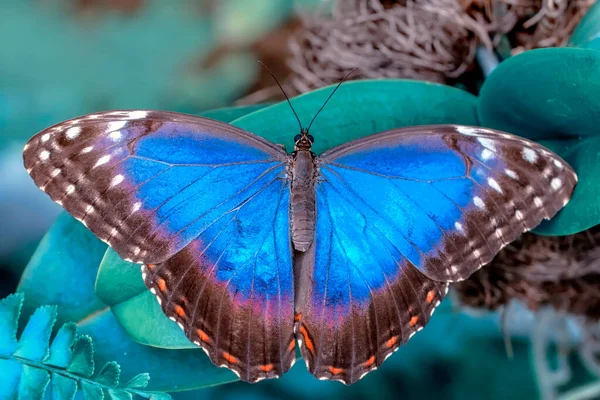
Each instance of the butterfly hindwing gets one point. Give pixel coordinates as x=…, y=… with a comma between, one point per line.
x=400, y=215
x=203, y=205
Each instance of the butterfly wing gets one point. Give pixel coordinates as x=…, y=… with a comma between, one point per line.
x=203, y=205
x=400, y=214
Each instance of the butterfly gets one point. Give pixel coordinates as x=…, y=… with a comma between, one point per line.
x=249, y=248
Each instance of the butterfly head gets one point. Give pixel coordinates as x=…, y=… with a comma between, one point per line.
x=303, y=141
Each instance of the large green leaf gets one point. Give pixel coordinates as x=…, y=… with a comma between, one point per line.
x=33, y=368
x=588, y=29
x=228, y=114
x=361, y=108
x=68, y=256
x=553, y=95
x=358, y=109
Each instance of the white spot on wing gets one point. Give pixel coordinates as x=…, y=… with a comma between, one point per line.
x=55, y=173
x=537, y=201
x=530, y=155
x=494, y=185
x=115, y=135
x=487, y=143
x=117, y=180
x=87, y=150
x=137, y=206
x=115, y=125
x=70, y=189
x=478, y=202
x=458, y=226
x=556, y=183
x=45, y=137
x=467, y=130
x=558, y=164
x=44, y=155
x=511, y=173
x=138, y=114
x=102, y=160
x=487, y=154
x=73, y=132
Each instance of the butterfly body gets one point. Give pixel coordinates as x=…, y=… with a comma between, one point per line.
x=248, y=248
x=303, y=201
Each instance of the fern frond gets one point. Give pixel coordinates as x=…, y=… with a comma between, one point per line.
x=34, y=367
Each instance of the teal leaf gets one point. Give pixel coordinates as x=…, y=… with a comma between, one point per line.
x=557, y=106
x=82, y=361
x=361, y=108
x=10, y=377
x=35, y=339
x=10, y=310
x=33, y=383
x=228, y=114
x=68, y=256
x=588, y=29
x=63, y=388
x=139, y=381
x=119, y=395
x=38, y=369
x=91, y=391
x=170, y=370
x=60, y=350
x=109, y=374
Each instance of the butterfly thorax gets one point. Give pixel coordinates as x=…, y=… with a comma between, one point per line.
x=302, y=204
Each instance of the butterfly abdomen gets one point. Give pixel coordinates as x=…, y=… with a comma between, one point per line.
x=302, y=204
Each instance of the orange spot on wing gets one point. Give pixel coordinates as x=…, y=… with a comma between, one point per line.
x=162, y=285
x=430, y=296
x=307, y=341
x=369, y=362
x=298, y=317
x=390, y=343
x=292, y=345
x=150, y=266
x=230, y=359
x=266, y=368
x=179, y=310
x=413, y=321
x=203, y=336
x=334, y=370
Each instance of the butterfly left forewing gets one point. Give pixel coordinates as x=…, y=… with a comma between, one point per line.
x=202, y=205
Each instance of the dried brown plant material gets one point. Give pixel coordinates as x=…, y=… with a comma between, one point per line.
x=429, y=40
x=563, y=272
x=433, y=40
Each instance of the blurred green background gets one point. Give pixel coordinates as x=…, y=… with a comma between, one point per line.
x=63, y=58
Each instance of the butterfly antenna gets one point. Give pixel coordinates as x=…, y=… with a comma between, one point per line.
x=332, y=93
x=284, y=93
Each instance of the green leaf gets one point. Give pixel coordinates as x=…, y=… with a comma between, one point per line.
x=109, y=374
x=35, y=339
x=68, y=256
x=170, y=370
x=33, y=383
x=26, y=371
x=139, y=381
x=63, y=388
x=82, y=361
x=119, y=395
x=10, y=310
x=361, y=108
x=228, y=114
x=91, y=391
x=588, y=29
x=60, y=350
x=527, y=97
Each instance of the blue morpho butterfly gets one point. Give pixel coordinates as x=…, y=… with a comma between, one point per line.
x=248, y=247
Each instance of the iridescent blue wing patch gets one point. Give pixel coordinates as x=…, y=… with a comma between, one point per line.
x=203, y=205
x=399, y=215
